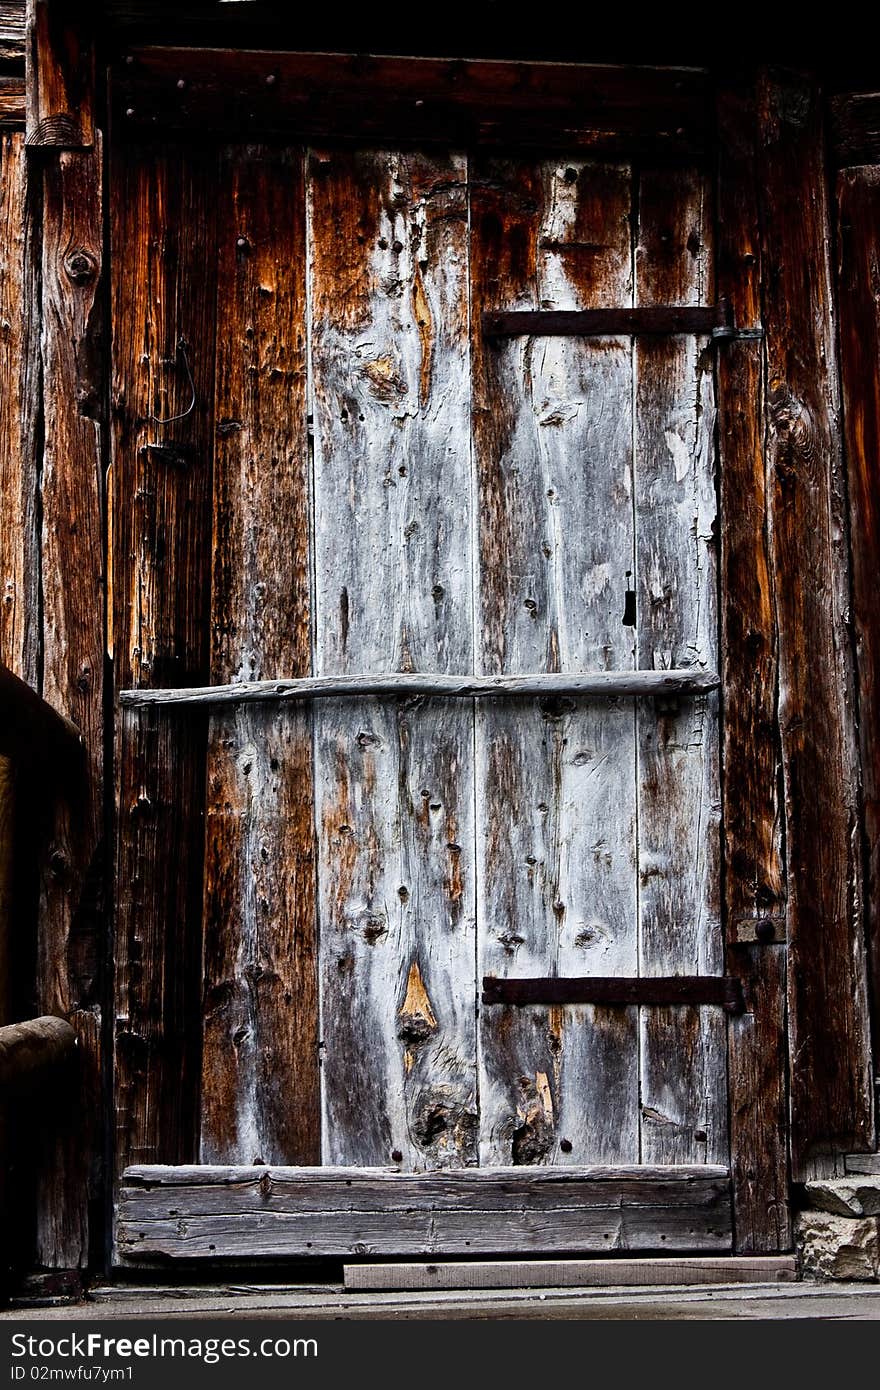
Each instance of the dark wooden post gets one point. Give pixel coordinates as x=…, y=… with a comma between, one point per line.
x=66, y=159
x=754, y=881
x=830, y=1074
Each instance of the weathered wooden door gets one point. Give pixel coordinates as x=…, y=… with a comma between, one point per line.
x=326, y=464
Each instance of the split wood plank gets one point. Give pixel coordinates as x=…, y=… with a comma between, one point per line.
x=831, y=1082
x=753, y=869
x=404, y=683
x=60, y=60
x=260, y=1095
x=163, y=240
x=19, y=410
x=393, y=780
x=249, y=1213
x=574, y=1274
x=858, y=201
x=682, y=1050
x=424, y=102
x=12, y=101
x=72, y=929
x=555, y=778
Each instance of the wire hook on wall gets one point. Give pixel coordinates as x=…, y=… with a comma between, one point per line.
x=170, y=419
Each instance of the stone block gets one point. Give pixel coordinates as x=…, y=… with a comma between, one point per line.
x=838, y=1247
x=851, y=1196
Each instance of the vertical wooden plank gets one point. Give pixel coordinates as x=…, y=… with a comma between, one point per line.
x=753, y=870
x=858, y=200
x=555, y=779
x=163, y=241
x=19, y=411
x=71, y=923
x=260, y=1077
x=831, y=1081
x=60, y=67
x=683, y=1087
x=394, y=779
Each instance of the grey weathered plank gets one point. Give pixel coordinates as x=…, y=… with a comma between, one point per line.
x=596, y=684
x=260, y=1078
x=583, y=1274
x=863, y=1163
x=394, y=781
x=555, y=777
x=683, y=1090
x=272, y=1212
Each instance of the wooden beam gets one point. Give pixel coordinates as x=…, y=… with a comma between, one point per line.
x=253, y=1213
x=719, y=990
x=12, y=101
x=574, y=1274
x=831, y=1078
x=598, y=684
x=422, y=101
x=60, y=63
x=31, y=729
x=33, y=1053
x=858, y=199
x=753, y=871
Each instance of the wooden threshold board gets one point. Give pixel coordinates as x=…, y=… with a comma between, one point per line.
x=253, y=1213
x=574, y=1274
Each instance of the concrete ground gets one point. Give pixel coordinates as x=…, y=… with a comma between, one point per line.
x=332, y=1301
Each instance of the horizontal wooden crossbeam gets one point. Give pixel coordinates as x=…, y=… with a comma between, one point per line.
x=593, y=323
x=34, y=1052
x=722, y=990
x=247, y=1213
x=597, y=683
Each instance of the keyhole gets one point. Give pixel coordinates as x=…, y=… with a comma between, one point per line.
x=629, y=607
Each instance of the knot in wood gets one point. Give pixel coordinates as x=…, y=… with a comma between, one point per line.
x=80, y=267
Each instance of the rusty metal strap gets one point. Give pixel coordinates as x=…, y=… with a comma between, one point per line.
x=713, y=319
x=722, y=990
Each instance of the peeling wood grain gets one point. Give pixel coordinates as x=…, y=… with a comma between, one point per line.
x=555, y=778
x=682, y=1051
x=71, y=930
x=858, y=281
x=257, y=1213
x=394, y=780
x=260, y=1080
x=163, y=243
x=753, y=869
x=831, y=1082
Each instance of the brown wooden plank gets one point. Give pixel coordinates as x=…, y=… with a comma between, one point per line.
x=831, y=1083
x=555, y=777
x=682, y=1050
x=422, y=101
x=71, y=924
x=720, y=991
x=258, y=1213
x=19, y=410
x=855, y=128
x=12, y=101
x=753, y=871
x=163, y=240
x=858, y=200
x=260, y=1078
x=60, y=62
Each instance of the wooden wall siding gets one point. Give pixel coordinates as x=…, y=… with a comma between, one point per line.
x=71, y=929
x=831, y=1083
x=394, y=779
x=60, y=58
x=260, y=1079
x=858, y=276
x=753, y=869
x=163, y=244
x=555, y=778
x=682, y=1050
x=19, y=411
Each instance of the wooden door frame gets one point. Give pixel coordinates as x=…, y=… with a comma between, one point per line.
x=794, y=754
